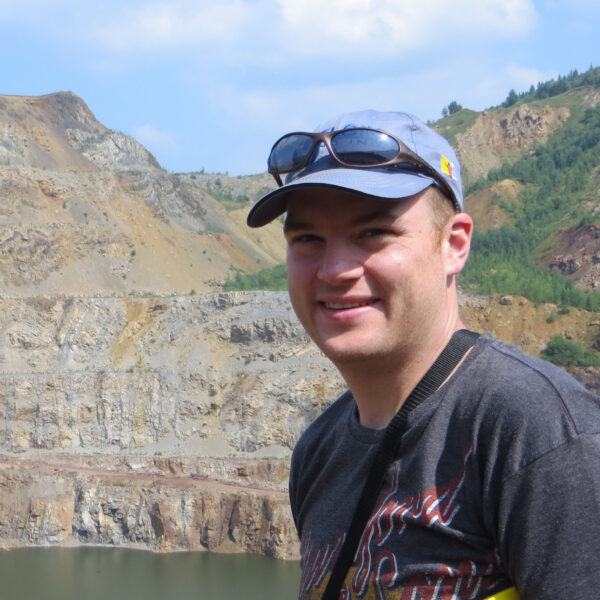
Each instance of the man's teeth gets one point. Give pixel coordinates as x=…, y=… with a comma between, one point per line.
x=342, y=305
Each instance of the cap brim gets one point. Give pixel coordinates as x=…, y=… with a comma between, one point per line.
x=382, y=184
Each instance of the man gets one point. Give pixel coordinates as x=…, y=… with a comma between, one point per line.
x=496, y=482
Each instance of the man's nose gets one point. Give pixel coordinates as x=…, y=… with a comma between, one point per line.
x=339, y=263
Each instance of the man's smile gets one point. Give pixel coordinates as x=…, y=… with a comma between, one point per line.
x=346, y=305
x=341, y=304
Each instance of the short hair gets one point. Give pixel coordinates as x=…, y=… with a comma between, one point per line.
x=442, y=210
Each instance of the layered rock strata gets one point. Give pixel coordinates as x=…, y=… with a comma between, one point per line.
x=49, y=503
x=168, y=422
x=161, y=422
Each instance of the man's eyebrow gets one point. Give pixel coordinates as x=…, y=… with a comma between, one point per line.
x=293, y=225
x=381, y=214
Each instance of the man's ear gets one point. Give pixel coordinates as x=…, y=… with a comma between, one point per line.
x=457, y=242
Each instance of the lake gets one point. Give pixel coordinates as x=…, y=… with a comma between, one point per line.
x=89, y=573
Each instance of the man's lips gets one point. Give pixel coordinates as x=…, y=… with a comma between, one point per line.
x=345, y=305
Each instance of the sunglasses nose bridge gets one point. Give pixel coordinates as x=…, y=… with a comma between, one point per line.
x=325, y=139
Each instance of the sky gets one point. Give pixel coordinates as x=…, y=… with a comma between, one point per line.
x=211, y=84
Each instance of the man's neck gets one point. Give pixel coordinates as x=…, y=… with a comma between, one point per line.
x=379, y=388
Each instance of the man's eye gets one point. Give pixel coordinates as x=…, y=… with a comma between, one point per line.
x=305, y=238
x=375, y=232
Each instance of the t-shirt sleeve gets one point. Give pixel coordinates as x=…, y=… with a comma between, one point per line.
x=548, y=523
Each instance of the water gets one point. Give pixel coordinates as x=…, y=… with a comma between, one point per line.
x=117, y=574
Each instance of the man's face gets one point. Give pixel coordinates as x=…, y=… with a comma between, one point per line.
x=367, y=279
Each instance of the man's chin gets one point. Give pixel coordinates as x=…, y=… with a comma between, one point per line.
x=341, y=353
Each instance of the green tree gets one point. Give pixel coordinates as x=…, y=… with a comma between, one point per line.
x=511, y=98
x=454, y=107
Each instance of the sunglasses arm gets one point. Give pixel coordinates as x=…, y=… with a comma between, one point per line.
x=277, y=178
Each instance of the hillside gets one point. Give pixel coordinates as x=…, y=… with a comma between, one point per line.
x=88, y=211
x=533, y=186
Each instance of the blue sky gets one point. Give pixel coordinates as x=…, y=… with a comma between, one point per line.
x=212, y=84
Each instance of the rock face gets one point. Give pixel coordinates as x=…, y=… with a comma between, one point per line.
x=116, y=375
x=576, y=254
x=172, y=414
x=498, y=136
x=58, y=131
x=167, y=423
x=161, y=422
x=70, y=504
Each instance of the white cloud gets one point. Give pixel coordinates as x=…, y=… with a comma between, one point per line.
x=473, y=82
x=483, y=87
x=154, y=139
x=154, y=27
x=382, y=26
x=304, y=108
x=522, y=78
x=259, y=32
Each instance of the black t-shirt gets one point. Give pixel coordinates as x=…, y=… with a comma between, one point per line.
x=497, y=483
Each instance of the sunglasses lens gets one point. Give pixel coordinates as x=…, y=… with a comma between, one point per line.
x=290, y=152
x=364, y=147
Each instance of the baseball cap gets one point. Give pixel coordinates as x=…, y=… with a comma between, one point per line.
x=392, y=183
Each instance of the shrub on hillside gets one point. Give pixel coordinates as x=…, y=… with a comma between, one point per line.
x=569, y=353
x=273, y=279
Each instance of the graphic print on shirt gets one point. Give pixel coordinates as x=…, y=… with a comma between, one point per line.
x=376, y=572
x=316, y=562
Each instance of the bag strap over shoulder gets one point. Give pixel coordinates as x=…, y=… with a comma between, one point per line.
x=387, y=450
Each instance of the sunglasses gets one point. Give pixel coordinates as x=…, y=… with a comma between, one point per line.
x=356, y=147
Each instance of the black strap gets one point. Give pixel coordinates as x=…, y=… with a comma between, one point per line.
x=387, y=450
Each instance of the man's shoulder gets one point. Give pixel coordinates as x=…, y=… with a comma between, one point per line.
x=528, y=387
x=508, y=363
x=514, y=408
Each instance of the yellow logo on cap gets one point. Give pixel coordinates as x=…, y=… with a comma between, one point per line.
x=447, y=167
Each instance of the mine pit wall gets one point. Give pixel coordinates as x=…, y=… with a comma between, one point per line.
x=69, y=508
x=158, y=423
x=167, y=423
x=166, y=375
